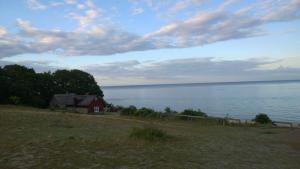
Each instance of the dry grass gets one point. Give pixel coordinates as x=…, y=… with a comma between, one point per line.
x=36, y=138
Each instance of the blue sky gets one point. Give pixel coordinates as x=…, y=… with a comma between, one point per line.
x=123, y=42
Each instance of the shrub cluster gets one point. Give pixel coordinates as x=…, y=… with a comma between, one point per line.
x=191, y=112
x=147, y=112
x=142, y=112
x=128, y=111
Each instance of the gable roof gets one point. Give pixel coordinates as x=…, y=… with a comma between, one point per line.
x=63, y=99
x=85, y=100
x=72, y=99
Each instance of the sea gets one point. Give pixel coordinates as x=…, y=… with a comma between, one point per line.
x=243, y=100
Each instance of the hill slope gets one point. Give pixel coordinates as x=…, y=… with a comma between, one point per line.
x=38, y=138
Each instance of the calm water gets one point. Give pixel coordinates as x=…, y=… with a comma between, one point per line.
x=280, y=100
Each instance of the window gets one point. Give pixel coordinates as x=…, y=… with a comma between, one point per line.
x=96, y=109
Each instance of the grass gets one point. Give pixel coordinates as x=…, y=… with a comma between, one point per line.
x=149, y=134
x=37, y=138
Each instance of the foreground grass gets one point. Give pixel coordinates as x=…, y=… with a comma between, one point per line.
x=36, y=138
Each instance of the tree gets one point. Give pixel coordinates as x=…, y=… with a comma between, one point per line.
x=262, y=118
x=22, y=85
x=19, y=82
x=76, y=81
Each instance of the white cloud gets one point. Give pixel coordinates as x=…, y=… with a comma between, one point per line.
x=36, y=5
x=25, y=25
x=87, y=19
x=98, y=41
x=3, y=31
x=92, y=14
x=96, y=37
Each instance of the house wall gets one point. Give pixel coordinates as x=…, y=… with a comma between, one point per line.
x=81, y=110
x=97, y=102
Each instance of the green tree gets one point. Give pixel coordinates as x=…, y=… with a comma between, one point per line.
x=19, y=82
x=23, y=85
x=76, y=81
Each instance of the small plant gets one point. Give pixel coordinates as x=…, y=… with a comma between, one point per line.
x=14, y=100
x=191, y=112
x=148, y=134
x=262, y=118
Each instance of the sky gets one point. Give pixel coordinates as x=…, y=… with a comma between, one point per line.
x=131, y=42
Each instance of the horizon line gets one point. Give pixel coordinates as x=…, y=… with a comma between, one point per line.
x=202, y=83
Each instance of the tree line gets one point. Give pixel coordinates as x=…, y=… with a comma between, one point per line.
x=22, y=85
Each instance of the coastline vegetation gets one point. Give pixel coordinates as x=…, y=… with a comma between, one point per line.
x=147, y=112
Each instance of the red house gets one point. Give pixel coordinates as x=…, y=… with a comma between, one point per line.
x=78, y=103
x=96, y=105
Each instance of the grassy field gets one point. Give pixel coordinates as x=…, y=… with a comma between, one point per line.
x=36, y=138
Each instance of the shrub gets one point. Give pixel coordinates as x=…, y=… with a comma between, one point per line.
x=168, y=110
x=142, y=112
x=262, y=118
x=128, y=111
x=191, y=112
x=146, y=112
x=14, y=100
x=149, y=134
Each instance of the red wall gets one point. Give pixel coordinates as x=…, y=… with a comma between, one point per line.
x=96, y=103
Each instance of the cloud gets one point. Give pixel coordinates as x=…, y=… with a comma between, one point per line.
x=25, y=25
x=97, y=36
x=208, y=27
x=3, y=31
x=182, y=5
x=38, y=66
x=189, y=71
x=280, y=10
x=36, y=5
x=221, y=24
x=71, y=1
x=92, y=14
x=98, y=41
x=137, y=11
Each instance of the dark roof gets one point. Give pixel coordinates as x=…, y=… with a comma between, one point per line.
x=72, y=99
x=85, y=100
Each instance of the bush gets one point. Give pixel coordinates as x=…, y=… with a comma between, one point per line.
x=14, y=100
x=128, y=111
x=168, y=110
x=191, y=112
x=262, y=118
x=142, y=112
x=149, y=134
x=146, y=112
